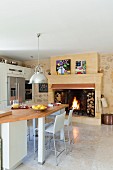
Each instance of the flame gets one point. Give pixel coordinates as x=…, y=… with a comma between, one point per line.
x=75, y=104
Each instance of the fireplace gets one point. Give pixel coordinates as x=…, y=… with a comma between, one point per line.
x=82, y=82
x=81, y=100
x=91, y=80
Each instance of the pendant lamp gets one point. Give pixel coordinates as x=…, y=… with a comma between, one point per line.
x=38, y=76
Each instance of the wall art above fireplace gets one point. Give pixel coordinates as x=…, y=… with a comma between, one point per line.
x=63, y=67
x=80, y=67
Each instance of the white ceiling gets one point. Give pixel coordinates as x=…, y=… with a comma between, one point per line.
x=67, y=27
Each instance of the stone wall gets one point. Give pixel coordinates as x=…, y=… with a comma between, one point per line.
x=38, y=96
x=106, y=66
x=90, y=58
x=44, y=63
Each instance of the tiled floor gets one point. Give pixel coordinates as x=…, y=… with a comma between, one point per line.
x=92, y=150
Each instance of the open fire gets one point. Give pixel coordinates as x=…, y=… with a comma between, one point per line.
x=75, y=104
x=81, y=100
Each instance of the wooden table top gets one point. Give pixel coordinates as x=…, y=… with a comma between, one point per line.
x=26, y=114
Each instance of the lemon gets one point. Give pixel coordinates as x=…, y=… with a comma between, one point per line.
x=38, y=106
x=34, y=107
x=42, y=107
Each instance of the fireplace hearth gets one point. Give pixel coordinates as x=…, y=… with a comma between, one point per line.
x=81, y=100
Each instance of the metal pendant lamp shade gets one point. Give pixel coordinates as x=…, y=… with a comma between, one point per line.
x=38, y=76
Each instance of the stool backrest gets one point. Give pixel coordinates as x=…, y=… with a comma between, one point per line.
x=59, y=122
x=70, y=117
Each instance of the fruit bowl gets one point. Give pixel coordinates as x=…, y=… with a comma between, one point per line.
x=39, y=107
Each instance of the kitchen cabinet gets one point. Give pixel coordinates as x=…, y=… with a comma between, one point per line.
x=0, y=153
x=3, y=86
x=28, y=72
x=14, y=143
x=28, y=90
x=17, y=71
x=12, y=71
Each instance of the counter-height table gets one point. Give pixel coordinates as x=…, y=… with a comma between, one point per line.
x=20, y=117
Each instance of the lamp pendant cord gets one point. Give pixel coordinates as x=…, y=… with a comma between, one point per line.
x=38, y=35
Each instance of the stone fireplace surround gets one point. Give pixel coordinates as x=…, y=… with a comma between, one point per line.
x=80, y=80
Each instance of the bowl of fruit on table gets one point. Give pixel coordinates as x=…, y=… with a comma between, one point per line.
x=39, y=107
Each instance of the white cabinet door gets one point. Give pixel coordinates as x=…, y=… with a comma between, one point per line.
x=3, y=86
x=14, y=143
x=13, y=70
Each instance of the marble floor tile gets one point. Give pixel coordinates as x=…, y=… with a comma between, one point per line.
x=92, y=150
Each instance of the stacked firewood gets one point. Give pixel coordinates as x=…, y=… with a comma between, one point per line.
x=91, y=104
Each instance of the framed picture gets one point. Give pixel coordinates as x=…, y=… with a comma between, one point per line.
x=43, y=87
x=63, y=67
x=80, y=67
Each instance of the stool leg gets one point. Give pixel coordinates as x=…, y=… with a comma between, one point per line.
x=71, y=140
x=65, y=143
x=34, y=143
x=72, y=134
x=29, y=130
x=49, y=141
x=55, y=149
x=69, y=134
x=29, y=133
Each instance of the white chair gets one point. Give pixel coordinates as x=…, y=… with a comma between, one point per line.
x=53, y=115
x=57, y=127
x=68, y=123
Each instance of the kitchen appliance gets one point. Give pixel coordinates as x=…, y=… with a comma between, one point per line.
x=15, y=89
x=28, y=90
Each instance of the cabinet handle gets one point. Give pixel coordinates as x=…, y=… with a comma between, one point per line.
x=18, y=92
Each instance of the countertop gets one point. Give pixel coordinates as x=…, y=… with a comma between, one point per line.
x=26, y=114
